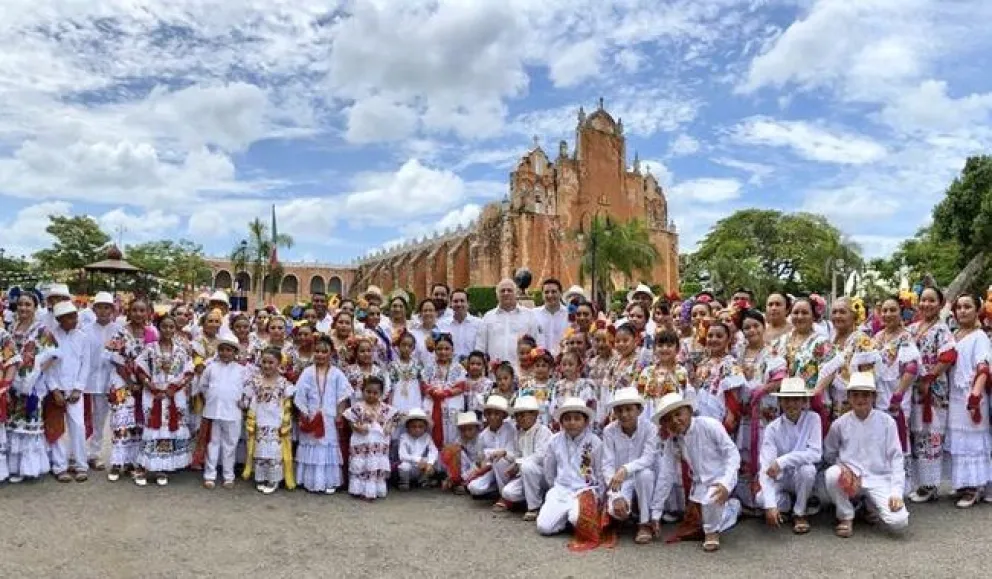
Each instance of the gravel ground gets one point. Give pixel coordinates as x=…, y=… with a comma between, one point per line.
x=102, y=529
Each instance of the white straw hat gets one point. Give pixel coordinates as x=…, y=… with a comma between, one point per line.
x=573, y=404
x=467, y=419
x=574, y=291
x=640, y=289
x=228, y=339
x=668, y=404
x=220, y=296
x=861, y=382
x=103, y=298
x=793, y=388
x=497, y=402
x=626, y=396
x=63, y=308
x=58, y=290
x=526, y=404
x=418, y=414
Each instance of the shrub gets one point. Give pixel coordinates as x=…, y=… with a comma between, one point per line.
x=481, y=299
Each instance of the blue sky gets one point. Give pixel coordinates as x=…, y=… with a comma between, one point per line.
x=371, y=121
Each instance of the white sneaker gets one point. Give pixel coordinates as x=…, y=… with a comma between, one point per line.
x=330, y=491
x=269, y=489
x=260, y=487
x=923, y=495
x=16, y=479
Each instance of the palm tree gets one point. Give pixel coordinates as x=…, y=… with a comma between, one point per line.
x=253, y=254
x=609, y=246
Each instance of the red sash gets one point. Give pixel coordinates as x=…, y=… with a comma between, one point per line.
x=4, y=400
x=53, y=416
x=202, y=440
x=691, y=527
x=313, y=426
x=591, y=528
x=155, y=418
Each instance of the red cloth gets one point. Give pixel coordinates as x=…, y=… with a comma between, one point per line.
x=691, y=527
x=817, y=405
x=313, y=426
x=734, y=411
x=200, y=450
x=949, y=357
x=155, y=419
x=88, y=414
x=438, y=399
x=4, y=400
x=53, y=415
x=592, y=526
x=975, y=408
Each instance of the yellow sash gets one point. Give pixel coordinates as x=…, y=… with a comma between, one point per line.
x=285, y=442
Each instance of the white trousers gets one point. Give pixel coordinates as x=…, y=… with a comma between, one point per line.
x=73, y=444
x=640, y=486
x=560, y=508
x=720, y=518
x=408, y=472
x=798, y=480
x=879, y=496
x=529, y=486
x=491, y=482
x=101, y=410
x=224, y=435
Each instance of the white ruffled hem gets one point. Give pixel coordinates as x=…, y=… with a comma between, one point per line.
x=29, y=465
x=268, y=471
x=318, y=478
x=124, y=453
x=366, y=488
x=319, y=455
x=970, y=471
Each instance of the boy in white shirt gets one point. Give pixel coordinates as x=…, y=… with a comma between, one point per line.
x=629, y=451
x=417, y=453
x=223, y=385
x=710, y=459
x=66, y=384
x=496, y=441
x=791, y=447
x=526, y=478
x=868, y=461
x=462, y=459
x=101, y=331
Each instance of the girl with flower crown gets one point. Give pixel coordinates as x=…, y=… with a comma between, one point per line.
x=445, y=389
x=361, y=349
x=540, y=383
x=598, y=367
x=341, y=333
x=27, y=446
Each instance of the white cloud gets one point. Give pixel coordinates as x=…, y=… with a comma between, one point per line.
x=661, y=172
x=151, y=225
x=379, y=119
x=877, y=245
x=928, y=107
x=683, y=145
x=809, y=141
x=574, y=63
x=25, y=233
x=412, y=191
x=758, y=171
x=707, y=190
x=851, y=205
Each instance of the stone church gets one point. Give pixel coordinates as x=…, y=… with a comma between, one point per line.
x=535, y=225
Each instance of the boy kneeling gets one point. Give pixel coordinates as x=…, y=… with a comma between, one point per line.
x=629, y=449
x=790, y=449
x=709, y=457
x=526, y=477
x=417, y=453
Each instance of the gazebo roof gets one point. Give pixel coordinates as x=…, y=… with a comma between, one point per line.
x=113, y=264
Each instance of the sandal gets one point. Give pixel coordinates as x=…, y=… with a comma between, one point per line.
x=63, y=477
x=923, y=495
x=459, y=490
x=114, y=474
x=209, y=485
x=844, y=529
x=162, y=480
x=644, y=535
x=968, y=499
x=530, y=516
x=81, y=476
x=800, y=526
x=501, y=506
x=712, y=543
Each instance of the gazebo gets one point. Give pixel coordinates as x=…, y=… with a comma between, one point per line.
x=114, y=266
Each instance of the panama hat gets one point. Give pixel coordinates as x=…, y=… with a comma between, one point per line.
x=58, y=290
x=668, y=404
x=417, y=414
x=526, y=404
x=373, y=290
x=63, y=309
x=103, y=298
x=497, y=402
x=467, y=419
x=861, y=382
x=219, y=296
x=573, y=404
x=640, y=289
x=228, y=339
x=793, y=388
x=574, y=291
x=626, y=396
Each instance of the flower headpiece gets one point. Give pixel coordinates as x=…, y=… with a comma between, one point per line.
x=540, y=354
x=215, y=313
x=819, y=305
x=860, y=312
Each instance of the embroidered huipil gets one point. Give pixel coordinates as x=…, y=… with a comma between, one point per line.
x=655, y=381
x=933, y=342
x=898, y=355
x=624, y=372
x=477, y=389
x=583, y=388
x=760, y=370
x=633, y=453
x=712, y=459
x=598, y=370
x=870, y=447
x=543, y=392
x=813, y=357
x=576, y=463
x=857, y=350
x=357, y=375
x=969, y=442
x=406, y=379
x=715, y=379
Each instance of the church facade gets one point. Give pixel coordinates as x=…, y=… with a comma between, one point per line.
x=535, y=225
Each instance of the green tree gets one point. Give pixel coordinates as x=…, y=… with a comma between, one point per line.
x=964, y=218
x=928, y=253
x=78, y=241
x=623, y=248
x=768, y=250
x=254, y=255
x=175, y=263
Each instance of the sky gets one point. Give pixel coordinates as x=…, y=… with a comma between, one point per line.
x=368, y=122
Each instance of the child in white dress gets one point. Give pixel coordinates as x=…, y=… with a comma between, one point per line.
x=372, y=422
x=418, y=455
x=269, y=426
x=322, y=395
x=478, y=383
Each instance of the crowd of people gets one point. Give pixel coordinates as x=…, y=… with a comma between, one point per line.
x=684, y=412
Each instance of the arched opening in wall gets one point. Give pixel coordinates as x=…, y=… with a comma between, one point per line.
x=222, y=280
x=334, y=285
x=290, y=285
x=267, y=284
x=316, y=285
x=243, y=281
